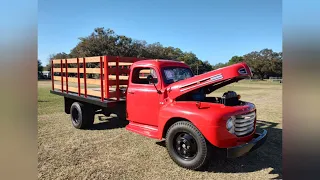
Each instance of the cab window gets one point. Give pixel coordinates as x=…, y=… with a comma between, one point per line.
x=175, y=74
x=139, y=75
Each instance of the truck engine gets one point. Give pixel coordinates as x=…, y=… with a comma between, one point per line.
x=230, y=98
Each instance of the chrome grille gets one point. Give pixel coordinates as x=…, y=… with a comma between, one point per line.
x=244, y=124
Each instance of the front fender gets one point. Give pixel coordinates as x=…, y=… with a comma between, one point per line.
x=209, y=118
x=200, y=117
x=189, y=111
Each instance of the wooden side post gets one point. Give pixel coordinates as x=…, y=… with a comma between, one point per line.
x=52, y=75
x=85, y=77
x=61, y=67
x=66, y=64
x=106, y=77
x=117, y=79
x=79, y=88
x=101, y=79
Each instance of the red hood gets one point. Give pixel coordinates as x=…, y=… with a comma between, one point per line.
x=219, y=77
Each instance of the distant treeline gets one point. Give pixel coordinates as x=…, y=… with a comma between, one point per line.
x=105, y=42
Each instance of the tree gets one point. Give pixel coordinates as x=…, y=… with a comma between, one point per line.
x=235, y=59
x=265, y=63
x=190, y=59
x=61, y=55
x=40, y=69
x=171, y=53
x=200, y=67
x=106, y=42
x=219, y=65
x=155, y=50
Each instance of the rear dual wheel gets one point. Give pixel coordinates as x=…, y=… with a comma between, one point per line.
x=82, y=116
x=186, y=146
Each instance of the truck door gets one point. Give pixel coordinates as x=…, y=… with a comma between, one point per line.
x=142, y=97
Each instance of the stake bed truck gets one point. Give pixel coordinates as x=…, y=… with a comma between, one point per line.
x=162, y=99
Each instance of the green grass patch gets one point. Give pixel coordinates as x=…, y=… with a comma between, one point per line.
x=262, y=82
x=48, y=103
x=234, y=87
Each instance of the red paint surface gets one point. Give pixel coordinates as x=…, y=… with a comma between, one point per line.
x=85, y=77
x=61, y=67
x=117, y=79
x=78, y=70
x=52, y=74
x=66, y=64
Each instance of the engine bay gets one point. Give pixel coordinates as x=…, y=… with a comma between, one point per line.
x=229, y=98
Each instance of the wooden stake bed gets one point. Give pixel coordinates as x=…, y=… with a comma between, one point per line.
x=100, y=77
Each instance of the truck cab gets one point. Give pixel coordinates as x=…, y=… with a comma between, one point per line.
x=146, y=96
x=166, y=100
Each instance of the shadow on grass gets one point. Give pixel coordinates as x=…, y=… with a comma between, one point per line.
x=108, y=123
x=269, y=155
x=161, y=143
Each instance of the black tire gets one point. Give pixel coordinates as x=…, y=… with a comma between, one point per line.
x=197, y=157
x=82, y=117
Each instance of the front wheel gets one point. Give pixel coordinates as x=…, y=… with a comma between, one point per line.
x=186, y=146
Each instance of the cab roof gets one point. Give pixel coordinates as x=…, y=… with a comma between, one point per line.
x=160, y=63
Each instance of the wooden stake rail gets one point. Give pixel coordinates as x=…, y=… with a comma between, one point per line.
x=92, y=76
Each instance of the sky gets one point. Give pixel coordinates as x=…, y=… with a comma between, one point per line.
x=213, y=30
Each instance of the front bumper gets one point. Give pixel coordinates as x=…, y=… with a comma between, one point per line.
x=255, y=143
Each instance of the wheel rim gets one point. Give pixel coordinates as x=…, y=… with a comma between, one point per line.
x=185, y=146
x=75, y=116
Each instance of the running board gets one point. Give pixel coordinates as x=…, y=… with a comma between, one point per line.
x=146, y=130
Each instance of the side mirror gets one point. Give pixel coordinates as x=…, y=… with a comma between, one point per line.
x=151, y=80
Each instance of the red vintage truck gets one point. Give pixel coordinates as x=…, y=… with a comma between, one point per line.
x=162, y=99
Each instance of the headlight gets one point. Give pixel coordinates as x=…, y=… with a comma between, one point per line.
x=230, y=124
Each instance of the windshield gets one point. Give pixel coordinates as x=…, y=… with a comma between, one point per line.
x=175, y=74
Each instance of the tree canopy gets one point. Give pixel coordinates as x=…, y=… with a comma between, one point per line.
x=264, y=63
x=106, y=42
x=40, y=67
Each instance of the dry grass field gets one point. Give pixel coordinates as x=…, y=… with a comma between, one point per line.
x=108, y=151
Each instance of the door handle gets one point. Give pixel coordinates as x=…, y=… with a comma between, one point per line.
x=130, y=92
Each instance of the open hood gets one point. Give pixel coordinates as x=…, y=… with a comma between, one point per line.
x=215, y=79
